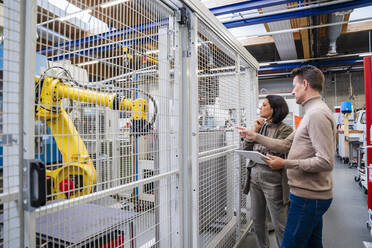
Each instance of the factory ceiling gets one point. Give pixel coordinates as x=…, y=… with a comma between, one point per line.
x=280, y=34
x=324, y=33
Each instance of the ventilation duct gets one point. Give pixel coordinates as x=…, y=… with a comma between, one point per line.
x=284, y=42
x=334, y=31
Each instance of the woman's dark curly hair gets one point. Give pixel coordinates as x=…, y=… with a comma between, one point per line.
x=279, y=106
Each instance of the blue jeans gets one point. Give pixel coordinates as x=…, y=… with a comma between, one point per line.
x=305, y=222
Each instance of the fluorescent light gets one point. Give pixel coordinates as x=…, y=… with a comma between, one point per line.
x=76, y=14
x=365, y=54
x=151, y=52
x=264, y=64
x=112, y=3
x=88, y=63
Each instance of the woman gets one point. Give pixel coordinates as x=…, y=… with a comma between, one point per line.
x=269, y=188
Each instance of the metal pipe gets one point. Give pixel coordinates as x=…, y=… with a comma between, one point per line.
x=325, y=8
x=218, y=150
x=274, y=74
x=281, y=74
x=139, y=71
x=306, y=60
x=292, y=30
x=106, y=36
x=315, y=63
x=54, y=207
x=278, y=93
x=101, y=48
x=214, y=156
x=335, y=89
x=282, y=11
x=246, y=5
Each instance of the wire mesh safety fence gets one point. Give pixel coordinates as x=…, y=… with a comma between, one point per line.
x=10, y=100
x=104, y=160
x=104, y=124
x=223, y=94
x=248, y=113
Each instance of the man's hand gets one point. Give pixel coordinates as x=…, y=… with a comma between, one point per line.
x=247, y=133
x=275, y=163
x=258, y=124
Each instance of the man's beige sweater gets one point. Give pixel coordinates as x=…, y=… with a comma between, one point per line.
x=311, y=151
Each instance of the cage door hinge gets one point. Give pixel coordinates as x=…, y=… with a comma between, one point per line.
x=184, y=18
x=186, y=53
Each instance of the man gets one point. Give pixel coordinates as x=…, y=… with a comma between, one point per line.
x=310, y=161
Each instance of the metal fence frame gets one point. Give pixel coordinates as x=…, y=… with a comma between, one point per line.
x=185, y=162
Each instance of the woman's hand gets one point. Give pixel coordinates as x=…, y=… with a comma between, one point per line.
x=242, y=134
x=247, y=133
x=258, y=124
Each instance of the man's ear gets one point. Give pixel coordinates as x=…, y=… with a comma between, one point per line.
x=305, y=84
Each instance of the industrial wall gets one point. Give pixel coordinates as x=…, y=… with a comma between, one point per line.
x=336, y=90
x=275, y=85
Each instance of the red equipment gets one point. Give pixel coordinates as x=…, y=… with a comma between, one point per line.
x=368, y=94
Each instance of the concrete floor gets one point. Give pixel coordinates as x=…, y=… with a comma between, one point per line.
x=345, y=221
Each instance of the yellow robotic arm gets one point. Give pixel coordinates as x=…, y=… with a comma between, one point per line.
x=78, y=175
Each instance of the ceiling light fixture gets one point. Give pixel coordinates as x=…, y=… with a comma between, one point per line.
x=151, y=52
x=88, y=63
x=76, y=14
x=113, y=3
x=365, y=54
x=265, y=64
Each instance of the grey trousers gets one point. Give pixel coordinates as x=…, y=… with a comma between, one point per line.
x=266, y=194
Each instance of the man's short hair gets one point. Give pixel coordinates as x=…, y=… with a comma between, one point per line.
x=313, y=75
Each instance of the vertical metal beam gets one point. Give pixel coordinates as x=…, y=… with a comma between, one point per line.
x=164, y=138
x=175, y=130
x=98, y=153
x=186, y=39
x=236, y=158
x=335, y=89
x=194, y=112
x=255, y=95
x=112, y=124
x=28, y=108
x=184, y=142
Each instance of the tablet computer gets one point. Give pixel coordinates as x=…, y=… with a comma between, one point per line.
x=253, y=155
